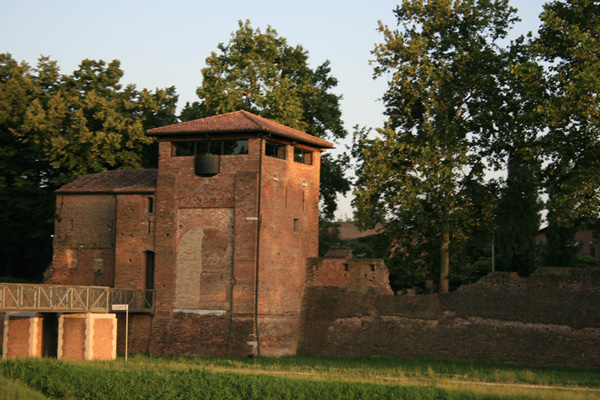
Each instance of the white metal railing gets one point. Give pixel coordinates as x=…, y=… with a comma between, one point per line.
x=64, y=298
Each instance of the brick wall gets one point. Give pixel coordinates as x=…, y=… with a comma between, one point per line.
x=349, y=273
x=205, y=255
x=134, y=235
x=288, y=235
x=72, y=336
x=87, y=336
x=17, y=340
x=104, y=341
x=84, y=240
x=550, y=318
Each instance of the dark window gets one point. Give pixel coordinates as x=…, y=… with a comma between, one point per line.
x=273, y=149
x=216, y=147
x=302, y=156
x=150, y=204
x=182, y=149
x=296, y=225
x=149, y=256
x=149, y=269
x=233, y=147
x=205, y=147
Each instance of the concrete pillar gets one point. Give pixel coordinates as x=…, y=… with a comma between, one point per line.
x=87, y=336
x=22, y=335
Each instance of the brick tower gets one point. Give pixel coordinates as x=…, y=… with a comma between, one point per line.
x=236, y=217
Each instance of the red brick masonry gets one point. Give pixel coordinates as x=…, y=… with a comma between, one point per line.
x=550, y=318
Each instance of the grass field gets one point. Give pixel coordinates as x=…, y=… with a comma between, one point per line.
x=289, y=378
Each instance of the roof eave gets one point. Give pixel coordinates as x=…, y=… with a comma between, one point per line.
x=319, y=143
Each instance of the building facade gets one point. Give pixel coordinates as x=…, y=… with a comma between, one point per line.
x=221, y=231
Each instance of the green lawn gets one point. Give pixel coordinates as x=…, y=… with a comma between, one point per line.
x=292, y=378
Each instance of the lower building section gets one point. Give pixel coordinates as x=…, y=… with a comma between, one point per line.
x=278, y=335
x=198, y=333
x=190, y=333
x=87, y=336
x=22, y=335
x=66, y=336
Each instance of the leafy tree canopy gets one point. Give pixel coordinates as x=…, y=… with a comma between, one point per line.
x=261, y=73
x=568, y=42
x=54, y=128
x=444, y=92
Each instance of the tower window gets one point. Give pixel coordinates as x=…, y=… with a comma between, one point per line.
x=150, y=204
x=302, y=156
x=183, y=149
x=273, y=149
x=296, y=225
x=216, y=147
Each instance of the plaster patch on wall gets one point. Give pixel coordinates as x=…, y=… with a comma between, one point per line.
x=204, y=258
x=189, y=268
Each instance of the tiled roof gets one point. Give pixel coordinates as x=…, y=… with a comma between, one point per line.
x=339, y=253
x=117, y=181
x=349, y=231
x=238, y=121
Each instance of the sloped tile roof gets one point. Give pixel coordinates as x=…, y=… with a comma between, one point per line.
x=238, y=121
x=349, y=231
x=117, y=181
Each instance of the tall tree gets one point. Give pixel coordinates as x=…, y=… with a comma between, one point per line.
x=517, y=150
x=568, y=44
x=442, y=99
x=261, y=73
x=25, y=210
x=517, y=217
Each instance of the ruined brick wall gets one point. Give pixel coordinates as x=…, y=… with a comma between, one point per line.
x=84, y=240
x=550, y=318
x=351, y=273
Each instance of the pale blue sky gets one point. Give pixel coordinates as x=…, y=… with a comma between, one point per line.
x=163, y=43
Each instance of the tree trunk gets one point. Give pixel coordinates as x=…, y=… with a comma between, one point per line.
x=445, y=260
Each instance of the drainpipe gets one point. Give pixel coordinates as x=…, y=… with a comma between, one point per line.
x=256, y=330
